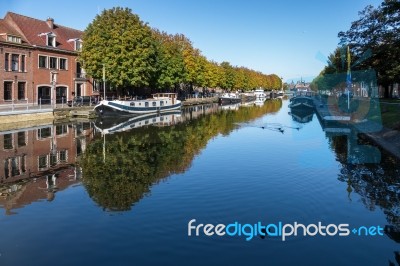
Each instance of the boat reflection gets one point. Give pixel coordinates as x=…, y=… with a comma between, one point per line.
x=302, y=116
x=110, y=126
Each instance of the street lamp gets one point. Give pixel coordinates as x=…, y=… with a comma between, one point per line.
x=53, y=81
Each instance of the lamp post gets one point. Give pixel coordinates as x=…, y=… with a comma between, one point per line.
x=104, y=81
x=53, y=81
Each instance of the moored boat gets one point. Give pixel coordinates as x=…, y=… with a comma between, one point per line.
x=161, y=102
x=259, y=93
x=302, y=101
x=229, y=98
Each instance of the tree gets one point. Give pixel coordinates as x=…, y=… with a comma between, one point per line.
x=228, y=81
x=118, y=39
x=170, y=66
x=375, y=42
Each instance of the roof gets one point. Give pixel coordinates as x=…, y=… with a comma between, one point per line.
x=31, y=28
x=6, y=28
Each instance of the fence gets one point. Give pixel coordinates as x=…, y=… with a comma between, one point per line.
x=25, y=105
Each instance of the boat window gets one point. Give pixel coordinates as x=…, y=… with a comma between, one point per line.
x=146, y=104
x=140, y=103
x=154, y=103
x=146, y=122
x=154, y=120
x=132, y=104
x=161, y=103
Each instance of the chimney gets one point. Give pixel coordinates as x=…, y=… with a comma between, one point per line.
x=50, y=22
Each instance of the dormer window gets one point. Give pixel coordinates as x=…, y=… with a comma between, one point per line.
x=50, y=38
x=12, y=38
x=77, y=43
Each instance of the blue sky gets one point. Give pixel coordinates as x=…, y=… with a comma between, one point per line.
x=275, y=36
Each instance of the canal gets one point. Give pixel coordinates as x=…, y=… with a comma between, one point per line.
x=249, y=185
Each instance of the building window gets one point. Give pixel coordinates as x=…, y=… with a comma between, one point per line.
x=23, y=168
x=23, y=63
x=14, y=62
x=21, y=139
x=6, y=61
x=63, y=64
x=53, y=62
x=8, y=142
x=61, y=129
x=21, y=90
x=53, y=159
x=42, y=161
x=14, y=166
x=7, y=90
x=6, y=169
x=63, y=156
x=15, y=39
x=43, y=133
x=51, y=40
x=42, y=61
x=78, y=45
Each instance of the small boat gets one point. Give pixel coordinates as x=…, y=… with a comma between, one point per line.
x=229, y=98
x=161, y=102
x=302, y=101
x=110, y=126
x=259, y=93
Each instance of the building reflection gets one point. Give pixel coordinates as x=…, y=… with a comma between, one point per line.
x=37, y=162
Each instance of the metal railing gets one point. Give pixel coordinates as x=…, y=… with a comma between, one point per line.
x=25, y=105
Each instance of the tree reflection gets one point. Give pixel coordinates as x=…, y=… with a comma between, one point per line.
x=136, y=160
x=377, y=184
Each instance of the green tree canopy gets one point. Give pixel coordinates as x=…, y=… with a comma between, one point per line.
x=118, y=39
x=374, y=40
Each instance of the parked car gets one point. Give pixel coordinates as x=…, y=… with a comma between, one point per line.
x=82, y=101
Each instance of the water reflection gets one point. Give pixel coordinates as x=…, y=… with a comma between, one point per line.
x=302, y=116
x=37, y=162
x=137, y=159
x=375, y=176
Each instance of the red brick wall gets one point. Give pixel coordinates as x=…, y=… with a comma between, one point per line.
x=16, y=76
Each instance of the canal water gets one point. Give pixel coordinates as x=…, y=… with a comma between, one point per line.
x=130, y=192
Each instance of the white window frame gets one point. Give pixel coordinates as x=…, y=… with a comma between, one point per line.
x=56, y=67
x=53, y=40
x=47, y=59
x=59, y=63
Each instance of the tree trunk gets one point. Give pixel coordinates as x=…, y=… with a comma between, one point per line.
x=391, y=91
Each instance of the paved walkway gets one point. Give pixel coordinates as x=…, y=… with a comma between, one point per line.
x=388, y=139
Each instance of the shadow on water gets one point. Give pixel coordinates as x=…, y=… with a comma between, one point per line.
x=120, y=168
x=377, y=183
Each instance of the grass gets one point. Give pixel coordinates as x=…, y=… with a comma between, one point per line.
x=390, y=113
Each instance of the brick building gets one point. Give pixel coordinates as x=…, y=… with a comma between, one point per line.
x=38, y=61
